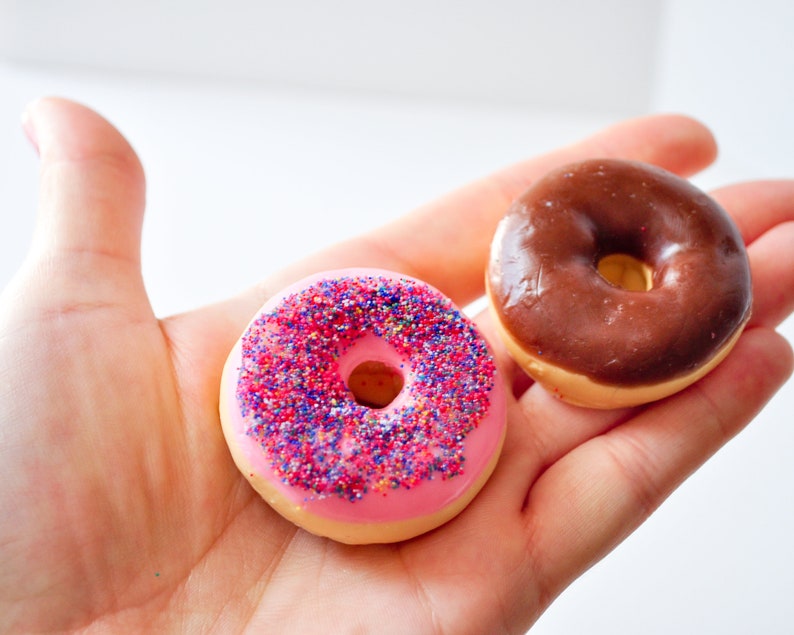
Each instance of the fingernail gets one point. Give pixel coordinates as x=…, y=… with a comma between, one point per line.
x=28, y=127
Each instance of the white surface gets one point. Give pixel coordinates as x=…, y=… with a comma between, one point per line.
x=531, y=52
x=245, y=177
x=732, y=63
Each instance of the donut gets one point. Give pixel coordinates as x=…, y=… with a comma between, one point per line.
x=363, y=406
x=615, y=283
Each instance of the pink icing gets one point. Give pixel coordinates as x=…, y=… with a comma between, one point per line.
x=300, y=428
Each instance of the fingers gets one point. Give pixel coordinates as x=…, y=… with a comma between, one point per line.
x=757, y=206
x=772, y=265
x=542, y=430
x=446, y=243
x=593, y=497
x=462, y=224
x=91, y=196
x=764, y=213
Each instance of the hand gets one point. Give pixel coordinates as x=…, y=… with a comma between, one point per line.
x=121, y=505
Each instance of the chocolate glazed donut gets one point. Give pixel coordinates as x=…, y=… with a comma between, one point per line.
x=621, y=276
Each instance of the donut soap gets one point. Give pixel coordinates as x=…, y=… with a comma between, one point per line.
x=363, y=406
x=616, y=283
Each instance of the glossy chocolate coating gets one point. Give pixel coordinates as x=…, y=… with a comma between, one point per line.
x=549, y=295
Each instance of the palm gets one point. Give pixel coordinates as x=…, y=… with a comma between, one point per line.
x=129, y=511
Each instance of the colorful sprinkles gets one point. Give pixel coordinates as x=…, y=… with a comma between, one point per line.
x=314, y=433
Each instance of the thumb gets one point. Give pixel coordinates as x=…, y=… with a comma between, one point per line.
x=92, y=188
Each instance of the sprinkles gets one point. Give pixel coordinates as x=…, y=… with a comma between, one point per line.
x=298, y=407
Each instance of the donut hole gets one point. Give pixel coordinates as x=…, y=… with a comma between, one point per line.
x=375, y=384
x=626, y=272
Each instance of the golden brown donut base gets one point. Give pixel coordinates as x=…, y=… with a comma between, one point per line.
x=580, y=390
x=346, y=532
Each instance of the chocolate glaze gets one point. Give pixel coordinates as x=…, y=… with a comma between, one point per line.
x=549, y=295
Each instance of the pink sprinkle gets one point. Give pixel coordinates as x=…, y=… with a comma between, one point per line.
x=308, y=422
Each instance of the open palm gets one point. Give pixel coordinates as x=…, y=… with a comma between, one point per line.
x=122, y=508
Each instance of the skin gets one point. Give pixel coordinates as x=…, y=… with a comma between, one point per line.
x=128, y=513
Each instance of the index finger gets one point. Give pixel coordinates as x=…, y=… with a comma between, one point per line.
x=446, y=242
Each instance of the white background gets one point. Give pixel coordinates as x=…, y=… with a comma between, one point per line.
x=268, y=131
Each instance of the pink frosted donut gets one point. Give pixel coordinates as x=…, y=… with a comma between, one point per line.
x=363, y=406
